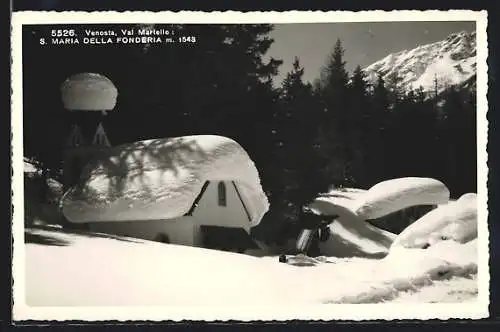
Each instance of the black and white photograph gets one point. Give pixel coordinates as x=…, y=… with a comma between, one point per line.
x=250, y=166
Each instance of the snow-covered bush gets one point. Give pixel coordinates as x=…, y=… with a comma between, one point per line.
x=453, y=221
x=397, y=194
x=41, y=195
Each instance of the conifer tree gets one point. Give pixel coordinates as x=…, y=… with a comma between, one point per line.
x=379, y=134
x=459, y=149
x=334, y=95
x=298, y=167
x=359, y=118
x=393, y=83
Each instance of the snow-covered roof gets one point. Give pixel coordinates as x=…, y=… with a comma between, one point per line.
x=345, y=197
x=161, y=178
x=393, y=195
x=385, y=197
x=89, y=92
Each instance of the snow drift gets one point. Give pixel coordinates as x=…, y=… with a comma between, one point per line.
x=454, y=221
x=350, y=235
x=160, y=179
x=397, y=194
x=69, y=269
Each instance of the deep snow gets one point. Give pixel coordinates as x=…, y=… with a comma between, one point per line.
x=92, y=269
x=389, y=196
x=456, y=289
x=394, y=195
x=350, y=235
x=88, y=269
x=161, y=178
x=456, y=220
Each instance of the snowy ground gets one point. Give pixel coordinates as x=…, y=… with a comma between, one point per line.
x=76, y=268
x=456, y=289
x=70, y=269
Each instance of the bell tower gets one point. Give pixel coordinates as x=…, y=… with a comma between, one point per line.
x=85, y=92
x=79, y=151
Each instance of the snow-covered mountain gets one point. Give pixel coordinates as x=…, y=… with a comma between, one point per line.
x=451, y=61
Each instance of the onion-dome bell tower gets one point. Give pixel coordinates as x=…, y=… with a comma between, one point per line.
x=82, y=95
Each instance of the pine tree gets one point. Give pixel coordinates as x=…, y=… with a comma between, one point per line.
x=334, y=94
x=334, y=74
x=414, y=137
x=298, y=167
x=459, y=149
x=359, y=124
x=377, y=153
x=393, y=84
x=358, y=82
x=436, y=85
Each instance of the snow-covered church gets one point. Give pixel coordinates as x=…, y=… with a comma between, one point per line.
x=201, y=190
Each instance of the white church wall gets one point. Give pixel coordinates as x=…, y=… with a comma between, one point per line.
x=210, y=213
x=179, y=230
x=186, y=230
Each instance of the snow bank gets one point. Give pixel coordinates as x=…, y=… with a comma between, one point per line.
x=98, y=270
x=350, y=235
x=93, y=270
x=393, y=195
x=161, y=178
x=454, y=290
x=472, y=197
x=454, y=221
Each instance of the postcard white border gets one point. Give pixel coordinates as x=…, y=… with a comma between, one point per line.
x=472, y=310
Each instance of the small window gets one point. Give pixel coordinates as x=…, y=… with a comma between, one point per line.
x=222, y=194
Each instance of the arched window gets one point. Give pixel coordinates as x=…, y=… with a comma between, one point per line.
x=222, y=194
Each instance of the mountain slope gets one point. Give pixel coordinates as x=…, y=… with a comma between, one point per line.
x=451, y=61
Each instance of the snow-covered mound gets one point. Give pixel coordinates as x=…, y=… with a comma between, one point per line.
x=397, y=194
x=346, y=197
x=29, y=167
x=350, y=235
x=160, y=179
x=86, y=269
x=454, y=221
x=451, y=62
x=35, y=184
x=453, y=290
x=472, y=197
x=94, y=269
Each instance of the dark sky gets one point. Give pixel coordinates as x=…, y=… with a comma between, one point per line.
x=364, y=43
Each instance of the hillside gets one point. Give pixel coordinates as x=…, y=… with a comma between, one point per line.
x=451, y=61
